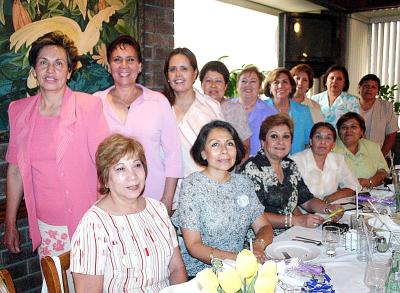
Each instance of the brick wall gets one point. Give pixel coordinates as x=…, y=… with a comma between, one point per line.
x=157, y=21
x=158, y=26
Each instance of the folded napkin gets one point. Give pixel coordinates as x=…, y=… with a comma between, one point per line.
x=376, y=223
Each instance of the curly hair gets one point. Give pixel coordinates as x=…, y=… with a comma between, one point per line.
x=58, y=39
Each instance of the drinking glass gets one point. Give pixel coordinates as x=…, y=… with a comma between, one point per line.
x=396, y=185
x=331, y=238
x=375, y=275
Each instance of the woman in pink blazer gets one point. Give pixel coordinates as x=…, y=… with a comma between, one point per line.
x=51, y=154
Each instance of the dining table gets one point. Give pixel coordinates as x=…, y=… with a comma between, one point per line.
x=345, y=269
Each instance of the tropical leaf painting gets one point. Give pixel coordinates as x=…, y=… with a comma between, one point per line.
x=90, y=24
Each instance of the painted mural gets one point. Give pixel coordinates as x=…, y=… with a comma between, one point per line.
x=90, y=24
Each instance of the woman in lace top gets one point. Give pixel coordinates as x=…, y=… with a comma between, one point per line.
x=278, y=182
x=216, y=208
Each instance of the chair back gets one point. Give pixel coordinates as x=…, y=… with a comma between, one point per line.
x=51, y=274
x=6, y=282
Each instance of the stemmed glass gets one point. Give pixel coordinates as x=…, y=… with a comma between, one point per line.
x=331, y=238
x=375, y=276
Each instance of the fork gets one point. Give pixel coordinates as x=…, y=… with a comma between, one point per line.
x=304, y=239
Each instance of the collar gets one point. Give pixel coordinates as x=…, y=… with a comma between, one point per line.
x=362, y=149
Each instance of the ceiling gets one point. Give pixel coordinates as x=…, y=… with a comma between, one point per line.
x=367, y=8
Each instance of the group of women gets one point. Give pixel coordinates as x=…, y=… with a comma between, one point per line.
x=186, y=149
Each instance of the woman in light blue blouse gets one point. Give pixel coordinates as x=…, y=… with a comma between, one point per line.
x=335, y=101
x=280, y=86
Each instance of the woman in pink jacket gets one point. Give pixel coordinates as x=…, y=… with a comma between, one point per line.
x=51, y=154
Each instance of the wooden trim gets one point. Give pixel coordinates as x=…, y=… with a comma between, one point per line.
x=50, y=273
x=6, y=277
x=22, y=213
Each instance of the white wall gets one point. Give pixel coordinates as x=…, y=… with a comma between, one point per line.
x=212, y=29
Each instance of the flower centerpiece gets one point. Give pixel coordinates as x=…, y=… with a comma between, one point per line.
x=247, y=276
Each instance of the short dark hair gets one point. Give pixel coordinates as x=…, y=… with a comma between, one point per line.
x=168, y=91
x=319, y=125
x=201, y=140
x=121, y=42
x=351, y=115
x=337, y=67
x=372, y=77
x=307, y=70
x=273, y=75
x=58, y=39
x=216, y=66
x=110, y=151
x=276, y=120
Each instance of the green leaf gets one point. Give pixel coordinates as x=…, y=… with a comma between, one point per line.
x=53, y=4
x=65, y=3
x=57, y=12
x=2, y=20
x=122, y=27
x=46, y=15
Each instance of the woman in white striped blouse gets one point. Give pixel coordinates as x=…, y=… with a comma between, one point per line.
x=125, y=242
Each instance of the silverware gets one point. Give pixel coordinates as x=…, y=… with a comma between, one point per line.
x=286, y=255
x=305, y=238
x=316, y=242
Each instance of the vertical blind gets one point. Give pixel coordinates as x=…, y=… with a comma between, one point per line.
x=385, y=52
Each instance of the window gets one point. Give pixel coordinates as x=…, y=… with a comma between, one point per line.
x=385, y=51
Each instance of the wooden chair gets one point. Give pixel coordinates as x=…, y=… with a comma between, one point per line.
x=50, y=273
x=7, y=280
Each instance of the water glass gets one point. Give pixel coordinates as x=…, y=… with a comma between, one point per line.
x=396, y=185
x=375, y=275
x=331, y=238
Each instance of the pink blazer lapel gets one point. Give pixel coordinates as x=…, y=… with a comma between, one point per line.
x=65, y=132
x=24, y=126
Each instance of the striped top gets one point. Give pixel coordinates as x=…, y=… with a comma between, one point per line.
x=133, y=251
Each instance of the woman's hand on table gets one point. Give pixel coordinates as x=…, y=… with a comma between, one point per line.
x=364, y=182
x=333, y=207
x=307, y=220
x=258, y=252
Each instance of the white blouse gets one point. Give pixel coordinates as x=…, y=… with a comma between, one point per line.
x=335, y=175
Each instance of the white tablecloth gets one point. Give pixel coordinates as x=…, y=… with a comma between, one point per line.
x=346, y=271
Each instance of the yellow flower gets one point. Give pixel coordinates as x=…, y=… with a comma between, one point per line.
x=229, y=280
x=246, y=264
x=268, y=269
x=207, y=279
x=208, y=290
x=265, y=284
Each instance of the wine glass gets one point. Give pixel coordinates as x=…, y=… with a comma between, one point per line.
x=331, y=238
x=375, y=276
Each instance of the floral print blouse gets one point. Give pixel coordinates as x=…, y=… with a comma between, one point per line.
x=279, y=198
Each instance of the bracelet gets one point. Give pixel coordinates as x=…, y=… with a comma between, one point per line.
x=327, y=210
x=290, y=219
x=260, y=241
x=286, y=220
x=212, y=253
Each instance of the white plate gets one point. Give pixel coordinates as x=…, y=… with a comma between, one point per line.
x=380, y=193
x=301, y=250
